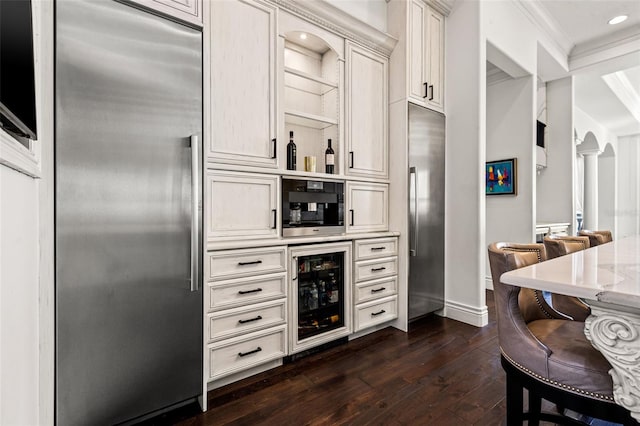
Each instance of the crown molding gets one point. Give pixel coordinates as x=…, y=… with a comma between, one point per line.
x=616, y=45
x=441, y=6
x=334, y=19
x=545, y=22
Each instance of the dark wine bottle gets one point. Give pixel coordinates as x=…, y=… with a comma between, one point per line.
x=291, y=153
x=329, y=159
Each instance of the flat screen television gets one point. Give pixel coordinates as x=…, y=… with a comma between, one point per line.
x=17, y=71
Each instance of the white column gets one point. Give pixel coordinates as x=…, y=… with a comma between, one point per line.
x=590, y=208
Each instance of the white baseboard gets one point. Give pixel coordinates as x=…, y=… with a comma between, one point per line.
x=488, y=283
x=477, y=316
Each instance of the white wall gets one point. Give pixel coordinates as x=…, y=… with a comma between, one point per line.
x=555, y=189
x=465, y=249
x=18, y=298
x=584, y=123
x=628, y=212
x=607, y=190
x=511, y=134
x=470, y=27
x=608, y=179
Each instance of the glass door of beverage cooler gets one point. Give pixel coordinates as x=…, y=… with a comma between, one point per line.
x=322, y=288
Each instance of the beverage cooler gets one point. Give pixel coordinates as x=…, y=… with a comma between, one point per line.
x=321, y=290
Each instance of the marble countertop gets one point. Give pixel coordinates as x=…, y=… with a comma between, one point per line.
x=607, y=273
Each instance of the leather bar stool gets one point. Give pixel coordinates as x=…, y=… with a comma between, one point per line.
x=596, y=237
x=560, y=245
x=548, y=356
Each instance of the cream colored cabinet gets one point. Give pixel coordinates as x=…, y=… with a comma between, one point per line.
x=184, y=10
x=366, y=112
x=375, y=282
x=245, y=307
x=242, y=84
x=240, y=206
x=435, y=58
x=418, y=60
x=367, y=207
x=425, y=55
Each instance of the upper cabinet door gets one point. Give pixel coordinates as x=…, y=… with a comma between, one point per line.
x=425, y=59
x=184, y=10
x=366, y=108
x=435, y=57
x=417, y=58
x=243, y=93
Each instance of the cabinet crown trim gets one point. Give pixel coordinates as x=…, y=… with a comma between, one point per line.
x=340, y=22
x=442, y=6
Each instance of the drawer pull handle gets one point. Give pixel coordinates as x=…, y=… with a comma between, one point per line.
x=377, y=248
x=375, y=314
x=250, y=320
x=258, y=349
x=255, y=262
x=377, y=290
x=382, y=268
x=255, y=290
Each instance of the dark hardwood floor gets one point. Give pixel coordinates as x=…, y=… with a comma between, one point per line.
x=442, y=372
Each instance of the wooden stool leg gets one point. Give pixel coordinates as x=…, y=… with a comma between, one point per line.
x=535, y=405
x=514, y=401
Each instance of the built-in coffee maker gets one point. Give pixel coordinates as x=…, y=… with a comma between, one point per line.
x=312, y=207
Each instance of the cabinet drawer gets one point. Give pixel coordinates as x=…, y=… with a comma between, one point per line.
x=241, y=263
x=374, y=248
x=376, y=312
x=376, y=289
x=244, y=291
x=233, y=355
x=233, y=322
x=376, y=268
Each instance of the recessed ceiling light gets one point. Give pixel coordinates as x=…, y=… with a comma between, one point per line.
x=303, y=36
x=618, y=19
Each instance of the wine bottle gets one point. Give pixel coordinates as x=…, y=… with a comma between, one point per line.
x=329, y=160
x=291, y=153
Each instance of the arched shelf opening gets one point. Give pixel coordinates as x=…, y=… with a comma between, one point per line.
x=311, y=95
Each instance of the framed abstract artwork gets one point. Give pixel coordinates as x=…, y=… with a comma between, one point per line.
x=501, y=177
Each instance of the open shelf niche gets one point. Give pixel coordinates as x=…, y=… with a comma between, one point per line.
x=311, y=97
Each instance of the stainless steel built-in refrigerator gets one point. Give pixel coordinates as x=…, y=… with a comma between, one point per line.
x=426, y=211
x=128, y=109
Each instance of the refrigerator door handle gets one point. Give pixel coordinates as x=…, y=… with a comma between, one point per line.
x=195, y=204
x=413, y=212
